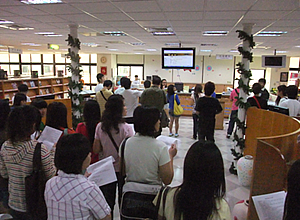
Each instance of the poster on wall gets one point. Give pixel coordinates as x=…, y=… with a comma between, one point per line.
x=283, y=76
x=104, y=70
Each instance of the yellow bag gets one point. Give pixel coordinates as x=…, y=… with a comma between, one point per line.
x=178, y=110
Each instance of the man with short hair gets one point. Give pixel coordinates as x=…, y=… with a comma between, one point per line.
x=100, y=79
x=22, y=88
x=264, y=92
x=120, y=90
x=292, y=103
x=104, y=94
x=154, y=97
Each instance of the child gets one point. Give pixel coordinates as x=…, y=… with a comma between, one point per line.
x=70, y=195
x=207, y=107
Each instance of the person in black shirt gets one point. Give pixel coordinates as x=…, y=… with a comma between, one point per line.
x=264, y=92
x=207, y=107
x=257, y=100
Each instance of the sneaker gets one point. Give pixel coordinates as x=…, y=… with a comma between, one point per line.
x=228, y=136
x=176, y=135
x=170, y=135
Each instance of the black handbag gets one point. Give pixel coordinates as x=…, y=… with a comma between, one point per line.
x=35, y=187
x=164, y=120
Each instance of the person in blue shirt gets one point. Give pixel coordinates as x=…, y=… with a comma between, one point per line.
x=170, y=97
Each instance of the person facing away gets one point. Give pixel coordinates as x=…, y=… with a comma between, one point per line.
x=70, y=195
x=19, y=99
x=292, y=103
x=147, y=84
x=207, y=107
x=22, y=88
x=292, y=200
x=264, y=92
x=16, y=158
x=41, y=105
x=195, y=96
x=257, y=100
x=201, y=194
x=234, y=111
x=121, y=89
x=131, y=98
x=104, y=94
x=172, y=97
x=281, y=94
x=91, y=116
x=100, y=79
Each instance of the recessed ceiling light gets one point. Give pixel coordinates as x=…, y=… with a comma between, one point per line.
x=31, y=44
x=3, y=21
x=281, y=51
x=233, y=51
x=138, y=53
x=41, y=1
x=113, y=49
x=163, y=33
x=137, y=43
x=215, y=33
x=206, y=51
x=53, y=35
x=151, y=50
x=114, y=33
x=270, y=33
x=90, y=44
x=44, y=33
x=1, y=49
x=33, y=49
x=297, y=46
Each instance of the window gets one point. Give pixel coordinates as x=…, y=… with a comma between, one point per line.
x=47, y=58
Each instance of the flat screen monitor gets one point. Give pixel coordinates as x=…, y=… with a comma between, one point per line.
x=274, y=61
x=179, y=87
x=178, y=58
x=49, y=96
x=279, y=109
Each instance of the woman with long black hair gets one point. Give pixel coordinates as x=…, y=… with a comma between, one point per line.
x=172, y=97
x=200, y=196
x=92, y=116
x=195, y=96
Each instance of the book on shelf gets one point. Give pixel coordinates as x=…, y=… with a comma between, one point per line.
x=40, y=83
x=41, y=92
x=14, y=85
x=25, y=83
x=32, y=84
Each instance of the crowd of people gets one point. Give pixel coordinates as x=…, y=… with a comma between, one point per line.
x=140, y=160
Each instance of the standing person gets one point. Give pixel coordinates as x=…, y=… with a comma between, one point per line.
x=136, y=82
x=171, y=99
x=57, y=117
x=264, y=92
x=147, y=160
x=257, y=100
x=147, y=84
x=201, y=195
x=131, y=98
x=163, y=85
x=70, y=195
x=207, y=107
x=41, y=105
x=22, y=88
x=104, y=94
x=100, y=79
x=92, y=116
x=19, y=99
x=281, y=94
x=154, y=97
x=16, y=158
x=195, y=96
x=292, y=103
x=234, y=111
x=110, y=132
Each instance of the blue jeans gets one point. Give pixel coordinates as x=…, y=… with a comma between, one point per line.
x=232, y=120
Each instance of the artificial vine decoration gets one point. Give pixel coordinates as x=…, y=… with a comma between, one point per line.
x=75, y=85
x=241, y=125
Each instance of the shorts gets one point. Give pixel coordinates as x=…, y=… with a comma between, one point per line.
x=171, y=113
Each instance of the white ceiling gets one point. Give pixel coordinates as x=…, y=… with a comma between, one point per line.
x=188, y=19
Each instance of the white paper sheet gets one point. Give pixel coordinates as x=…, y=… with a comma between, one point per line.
x=102, y=172
x=169, y=141
x=5, y=216
x=49, y=137
x=270, y=206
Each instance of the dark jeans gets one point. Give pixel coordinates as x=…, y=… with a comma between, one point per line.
x=233, y=117
x=206, y=132
x=20, y=215
x=196, y=125
x=109, y=192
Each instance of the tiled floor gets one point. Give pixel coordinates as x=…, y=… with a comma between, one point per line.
x=234, y=192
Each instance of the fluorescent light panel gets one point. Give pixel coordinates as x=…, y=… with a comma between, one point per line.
x=209, y=45
x=31, y=44
x=35, y=2
x=151, y=50
x=206, y=51
x=215, y=33
x=3, y=21
x=163, y=33
x=173, y=44
x=114, y=33
x=137, y=44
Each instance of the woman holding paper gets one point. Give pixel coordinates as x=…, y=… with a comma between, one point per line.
x=110, y=132
x=16, y=158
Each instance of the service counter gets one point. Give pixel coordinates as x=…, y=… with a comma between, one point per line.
x=187, y=104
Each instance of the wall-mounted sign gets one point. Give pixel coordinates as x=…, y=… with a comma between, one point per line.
x=15, y=50
x=224, y=57
x=53, y=46
x=104, y=70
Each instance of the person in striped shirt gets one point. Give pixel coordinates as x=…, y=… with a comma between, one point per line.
x=16, y=157
x=70, y=195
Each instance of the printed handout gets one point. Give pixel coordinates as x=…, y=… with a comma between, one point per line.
x=169, y=141
x=49, y=137
x=102, y=172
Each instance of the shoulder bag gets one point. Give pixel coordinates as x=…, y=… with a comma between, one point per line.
x=35, y=187
x=178, y=110
x=103, y=96
x=137, y=199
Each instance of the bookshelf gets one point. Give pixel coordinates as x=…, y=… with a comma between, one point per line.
x=36, y=86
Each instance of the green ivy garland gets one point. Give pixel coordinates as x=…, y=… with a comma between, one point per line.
x=240, y=142
x=76, y=71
